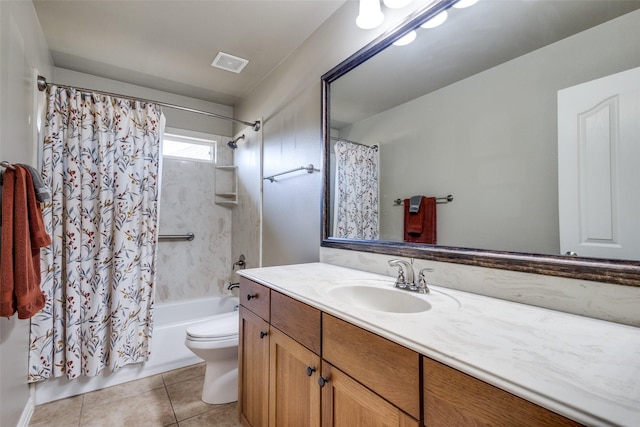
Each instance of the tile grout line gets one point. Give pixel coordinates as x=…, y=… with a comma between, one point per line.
x=175, y=416
x=81, y=411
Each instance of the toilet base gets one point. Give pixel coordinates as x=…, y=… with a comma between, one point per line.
x=220, y=382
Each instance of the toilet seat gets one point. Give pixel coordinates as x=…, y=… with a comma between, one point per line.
x=218, y=328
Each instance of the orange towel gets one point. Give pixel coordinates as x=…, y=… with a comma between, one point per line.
x=420, y=227
x=23, y=234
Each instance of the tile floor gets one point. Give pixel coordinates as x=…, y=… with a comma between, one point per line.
x=170, y=399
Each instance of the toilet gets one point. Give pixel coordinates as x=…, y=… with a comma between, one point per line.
x=216, y=341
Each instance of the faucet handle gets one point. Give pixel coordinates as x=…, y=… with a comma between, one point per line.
x=422, y=281
x=401, y=281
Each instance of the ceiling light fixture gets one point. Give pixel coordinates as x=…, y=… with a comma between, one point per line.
x=406, y=39
x=436, y=20
x=464, y=3
x=370, y=15
x=396, y=4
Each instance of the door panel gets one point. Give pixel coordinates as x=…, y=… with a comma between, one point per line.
x=598, y=173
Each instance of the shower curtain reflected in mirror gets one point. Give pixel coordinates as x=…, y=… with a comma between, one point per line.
x=101, y=159
x=356, y=198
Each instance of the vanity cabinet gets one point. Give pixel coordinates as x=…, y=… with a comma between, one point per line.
x=294, y=393
x=299, y=366
x=253, y=369
x=346, y=402
x=388, y=369
x=279, y=359
x=253, y=354
x=452, y=398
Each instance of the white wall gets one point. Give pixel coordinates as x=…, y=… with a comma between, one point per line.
x=295, y=86
x=491, y=141
x=22, y=49
x=289, y=101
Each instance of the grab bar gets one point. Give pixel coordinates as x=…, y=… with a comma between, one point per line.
x=309, y=169
x=173, y=237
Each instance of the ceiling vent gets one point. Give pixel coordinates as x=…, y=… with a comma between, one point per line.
x=228, y=62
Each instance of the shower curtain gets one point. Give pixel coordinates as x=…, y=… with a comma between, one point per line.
x=356, y=192
x=100, y=158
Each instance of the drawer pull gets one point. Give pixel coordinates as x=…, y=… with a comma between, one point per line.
x=323, y=380
x=263, y=334
x=250, y=296
x=310, y=371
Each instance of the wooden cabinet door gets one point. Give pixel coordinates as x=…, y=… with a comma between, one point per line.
x=347, y=403
x=455, y=399
x=294, y=393
x=253, y=370
x=389, y=369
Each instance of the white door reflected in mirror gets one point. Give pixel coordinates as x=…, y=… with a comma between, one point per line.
x=598, y=173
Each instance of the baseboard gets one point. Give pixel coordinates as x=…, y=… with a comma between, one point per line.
x=27, y=413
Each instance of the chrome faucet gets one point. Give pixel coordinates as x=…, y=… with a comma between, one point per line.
x=232, y=286
x=401, y=282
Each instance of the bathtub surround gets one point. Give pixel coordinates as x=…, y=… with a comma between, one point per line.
x=197, y=268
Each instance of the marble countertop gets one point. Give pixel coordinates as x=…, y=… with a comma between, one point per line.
x=585, y=369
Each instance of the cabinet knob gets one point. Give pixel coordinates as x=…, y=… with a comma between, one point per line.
x=310, y=371
x=250, y=296
x=263, y=334
x=323, y=380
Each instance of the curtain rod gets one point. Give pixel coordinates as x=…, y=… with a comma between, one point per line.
x=42, y=86
x=335, y=138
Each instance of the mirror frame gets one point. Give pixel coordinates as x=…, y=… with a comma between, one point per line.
x=619, y=272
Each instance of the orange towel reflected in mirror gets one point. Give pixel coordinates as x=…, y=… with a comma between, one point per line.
x=420, y=227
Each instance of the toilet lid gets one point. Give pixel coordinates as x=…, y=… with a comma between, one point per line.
x=221, y=326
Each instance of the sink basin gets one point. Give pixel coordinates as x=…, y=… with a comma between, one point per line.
x=380, y=299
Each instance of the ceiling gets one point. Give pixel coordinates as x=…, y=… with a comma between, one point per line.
x=169, y=45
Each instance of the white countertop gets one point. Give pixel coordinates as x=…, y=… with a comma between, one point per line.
x=585, y=369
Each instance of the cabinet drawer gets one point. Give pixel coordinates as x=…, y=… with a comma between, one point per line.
x=452, y=398
x=296, y=319
x=390, y=370
x=255, y=297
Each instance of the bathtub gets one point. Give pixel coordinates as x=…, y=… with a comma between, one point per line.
x=168, y=351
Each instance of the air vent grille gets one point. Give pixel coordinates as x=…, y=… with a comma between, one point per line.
x=228, y=62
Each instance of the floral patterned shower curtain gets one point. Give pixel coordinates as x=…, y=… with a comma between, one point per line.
x=101, y=159
x=356, y=194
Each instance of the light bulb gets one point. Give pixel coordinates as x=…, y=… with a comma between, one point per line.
x=406, y=39
x=396, y=4
x=464, y=3
x=370, y=14
x=436, y=20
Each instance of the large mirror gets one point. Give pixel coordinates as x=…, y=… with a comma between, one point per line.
x=493, y=115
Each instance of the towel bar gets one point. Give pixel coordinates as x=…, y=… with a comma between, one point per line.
x=309, y=169
x=439, y=200
x=7, y=165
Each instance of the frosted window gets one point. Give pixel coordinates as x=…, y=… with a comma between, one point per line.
x=189, y=148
